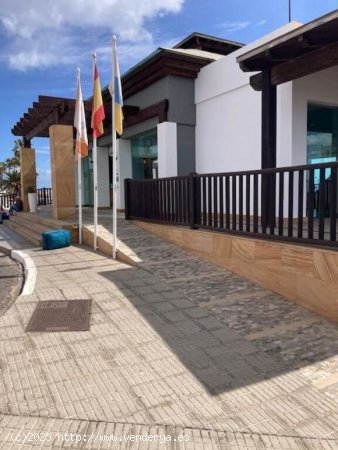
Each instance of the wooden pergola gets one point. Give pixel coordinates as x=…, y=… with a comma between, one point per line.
x=45, y=112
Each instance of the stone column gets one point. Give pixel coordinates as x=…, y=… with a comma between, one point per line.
x=62, y=166
x=28, y=174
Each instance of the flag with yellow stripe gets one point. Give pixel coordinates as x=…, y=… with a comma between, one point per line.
x=97, y=109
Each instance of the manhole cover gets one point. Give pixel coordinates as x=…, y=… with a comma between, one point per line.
x=60, y=315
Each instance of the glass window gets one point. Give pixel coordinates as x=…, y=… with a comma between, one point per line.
x=144, y=155
x=322, y=136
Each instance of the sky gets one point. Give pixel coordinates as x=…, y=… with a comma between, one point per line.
x=44, y=41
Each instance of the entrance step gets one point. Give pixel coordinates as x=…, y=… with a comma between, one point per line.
x=31, y=226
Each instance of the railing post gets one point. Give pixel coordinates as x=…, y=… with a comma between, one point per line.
x=127, y=198
x=194, y=201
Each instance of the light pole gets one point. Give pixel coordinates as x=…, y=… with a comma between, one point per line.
x=289, y=11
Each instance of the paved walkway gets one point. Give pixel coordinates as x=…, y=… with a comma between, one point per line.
x=168, y=353
x=11, y=278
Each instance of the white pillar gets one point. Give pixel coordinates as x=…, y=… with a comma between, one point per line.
x=103, y=177
x=167, y=149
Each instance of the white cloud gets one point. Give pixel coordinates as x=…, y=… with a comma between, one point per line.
x=232, y=27
x=44, y=150
x=48, y=32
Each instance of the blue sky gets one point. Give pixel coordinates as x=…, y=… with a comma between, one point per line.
x=43, y=41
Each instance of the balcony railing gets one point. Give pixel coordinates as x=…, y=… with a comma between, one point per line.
x=6, y=200
x=297, y=204
x=44, y=198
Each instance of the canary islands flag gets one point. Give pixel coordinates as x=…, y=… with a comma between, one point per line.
x=117, y=94
x=97, y=110
x=80, y=122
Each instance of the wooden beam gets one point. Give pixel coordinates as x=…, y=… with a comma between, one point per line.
x=256, y=81
x=130, y=110
x=164, y=63
x=27, y=116
x=35, y=112
x=298, y=67
x=51, y=101
x=269, y=121
x=40, y=128
x=269, y=146
x=159, y=109
x=26, y=142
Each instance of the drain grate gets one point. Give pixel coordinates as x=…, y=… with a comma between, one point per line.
x=61, y=315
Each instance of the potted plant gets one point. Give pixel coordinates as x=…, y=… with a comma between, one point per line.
x=32, y=199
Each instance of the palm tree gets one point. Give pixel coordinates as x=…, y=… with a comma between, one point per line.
x=10, y=170
x=11, y=182
x=13, y=163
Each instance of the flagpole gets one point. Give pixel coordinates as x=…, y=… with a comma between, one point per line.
x=114, y=161
x=79, y=174
x=95, y=175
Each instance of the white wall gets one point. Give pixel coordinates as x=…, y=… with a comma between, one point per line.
x=228, y=119
x=228, y=114
x=284, y=124
x=228, y=130
x=167, y=149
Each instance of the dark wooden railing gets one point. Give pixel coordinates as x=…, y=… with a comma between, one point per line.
x=284, y=204
x=6, y=200
x=44, y=196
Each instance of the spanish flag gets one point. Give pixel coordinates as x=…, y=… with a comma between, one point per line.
x=81, y=146
x=97, y=110
x=116, y=93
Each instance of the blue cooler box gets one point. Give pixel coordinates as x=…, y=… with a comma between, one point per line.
x=55, y=239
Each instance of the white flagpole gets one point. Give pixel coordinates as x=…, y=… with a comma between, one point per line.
x=95, y=173
x=79, y=174
x=114, y=161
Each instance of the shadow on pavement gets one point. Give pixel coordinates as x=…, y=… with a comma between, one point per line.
x=219, y=357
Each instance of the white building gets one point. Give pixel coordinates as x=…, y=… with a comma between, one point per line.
x=229, y=122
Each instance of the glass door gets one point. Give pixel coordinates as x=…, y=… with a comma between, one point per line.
x=322, y=144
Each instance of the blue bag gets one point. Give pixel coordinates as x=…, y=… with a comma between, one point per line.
x=55, y=239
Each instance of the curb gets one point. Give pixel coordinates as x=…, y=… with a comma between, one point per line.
x=30, y=271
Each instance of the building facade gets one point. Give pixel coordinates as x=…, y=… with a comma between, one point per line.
x=212, y=105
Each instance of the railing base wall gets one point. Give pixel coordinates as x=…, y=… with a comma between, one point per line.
x=307, y=276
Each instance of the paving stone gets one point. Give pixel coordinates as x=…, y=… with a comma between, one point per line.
x=149, y=365
x=11, y=278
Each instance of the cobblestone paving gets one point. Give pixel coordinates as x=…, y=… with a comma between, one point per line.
x=292, y=335
x=156, y=360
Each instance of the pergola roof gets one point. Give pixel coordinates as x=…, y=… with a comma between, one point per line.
x=52, y=110
x=163, y=62
x=209, y=44
x=304, y=50
x=44, y=113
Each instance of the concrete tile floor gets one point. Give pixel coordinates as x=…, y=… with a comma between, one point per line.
x=163, y=358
